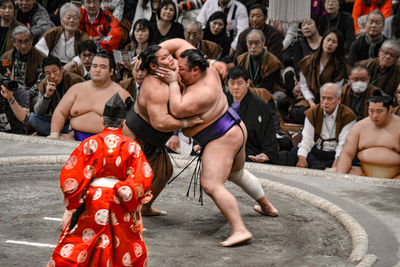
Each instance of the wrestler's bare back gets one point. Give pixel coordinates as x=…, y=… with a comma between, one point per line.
x=88, y=103
x=379, y=145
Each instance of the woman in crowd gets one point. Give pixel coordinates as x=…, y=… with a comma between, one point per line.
x=62, y=41
x=328, y=64
x=141, y=36
x=7, y=24
x=147, y=9
x=361, y=8
x=215, y=31
x=166, y=28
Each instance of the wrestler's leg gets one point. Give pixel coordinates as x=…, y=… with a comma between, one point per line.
x=249, y=183
x=162, y=169
x=216, y=164
x=355, y=170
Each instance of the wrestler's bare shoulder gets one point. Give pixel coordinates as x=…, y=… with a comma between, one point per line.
x=153, y=86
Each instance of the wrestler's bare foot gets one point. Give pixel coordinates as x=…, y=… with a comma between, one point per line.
x=149, y=211
x=237, y=238
x=266, y=209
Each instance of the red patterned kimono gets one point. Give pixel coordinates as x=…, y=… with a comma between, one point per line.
x=110, y=175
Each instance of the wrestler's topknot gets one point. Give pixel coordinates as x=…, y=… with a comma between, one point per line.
x=195, y=58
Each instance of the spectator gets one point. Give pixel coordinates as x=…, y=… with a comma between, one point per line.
x=236, y=14
x=51, y=89
x=273, y=37
x=33, y=16
x=317, y=8
x=339, y=19
x=14, y=108
x=7, y=24
x=356, y=93
x=326, y=65
x=375, y=141
x=194, y=35
x=392, y=25
x=325, y=129
x=264, y=68
x=148, y=9
x=308, y=43
x=115, y=7
x=53, y=8
x=100, y=25
x=396, y=110
x=367, y=46
x=215, y=31
x=62, y=41
x=166, y=28
x=384, y=69
x=362, y=8
x=86, y=49
x=24, y=58
x=141, y=35
x=132, y=85
x=261, y=144
x=189, y=10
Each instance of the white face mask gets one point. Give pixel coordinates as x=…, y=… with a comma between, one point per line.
x=359, y=87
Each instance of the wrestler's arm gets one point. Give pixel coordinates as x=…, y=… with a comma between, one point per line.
x=176, y=46
x=62, y=112
x=349, y=150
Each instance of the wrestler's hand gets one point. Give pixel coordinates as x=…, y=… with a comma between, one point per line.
x=136, y=63
x=192, y=121
x=302, y=162
x=167, y=75
x=197, y=149
x=66, y=217
x=221, y=68
x=173, y=142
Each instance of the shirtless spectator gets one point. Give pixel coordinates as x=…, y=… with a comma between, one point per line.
x=222, y=135
x=375, y=141
x=84, y=102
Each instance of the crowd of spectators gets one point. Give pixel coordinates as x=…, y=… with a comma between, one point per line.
x=299, y=87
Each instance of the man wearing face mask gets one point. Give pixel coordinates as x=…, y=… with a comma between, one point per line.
x=357, y=91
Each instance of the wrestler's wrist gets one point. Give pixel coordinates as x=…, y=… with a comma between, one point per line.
x=54, y=135
x=173, y=83
x=185, y=123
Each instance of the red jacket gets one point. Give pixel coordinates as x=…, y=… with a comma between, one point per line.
x=105, y=30
x=360, y=9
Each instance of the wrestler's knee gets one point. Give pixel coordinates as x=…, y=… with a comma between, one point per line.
x=209, y=187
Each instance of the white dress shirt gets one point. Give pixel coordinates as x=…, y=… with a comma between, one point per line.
x=64, y=50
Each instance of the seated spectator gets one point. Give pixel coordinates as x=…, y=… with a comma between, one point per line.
x=53, y=8
x=85, y=101
x=392, y=25
x=264, y=68
x=362, y=8
x=288, y=30
x=166, y=28
x=51, y=89
x=115, y=7
x=7, y=24
x=306, y=44
x=215, y=31
x=384, y=69
x=14, y=108
x=100, y=25
x=33, y=16
x=326, y=65
x=148, y=9
x=62, y=41
x=141, y=35
x=325, y=129
x=261, y=144
x=24, y=58
x=86, y=50
x=236, y=15
x=339, y=19
x=396, y=110
x=356, y=93
x=194, y=35
x=367, y=46
x=132, y=85
x=375, y=141
x=273, y=37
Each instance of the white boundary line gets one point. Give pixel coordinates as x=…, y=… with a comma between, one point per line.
x=30, y=244
x=52, y=219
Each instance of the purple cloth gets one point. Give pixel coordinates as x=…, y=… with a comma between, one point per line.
x=317, y=8
x=218, y=128
x=80, y=136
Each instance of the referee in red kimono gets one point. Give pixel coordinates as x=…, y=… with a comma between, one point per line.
x=105, y=182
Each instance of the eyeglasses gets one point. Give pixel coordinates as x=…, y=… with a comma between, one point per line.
x=387, y=53
x=90, y=55
x=23, y=42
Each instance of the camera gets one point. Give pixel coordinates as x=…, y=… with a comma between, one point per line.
x=4, y=76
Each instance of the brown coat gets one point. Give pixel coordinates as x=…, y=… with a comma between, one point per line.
x=346, y=97
x=130, y=86
x=386, y=81
x=9, y=43
x=78, y=69
x=396, y=111
x=53, y=35
x=333, y=72
x=210, y=49
x=35, y=58
x=69, y=80
x=315, y=115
